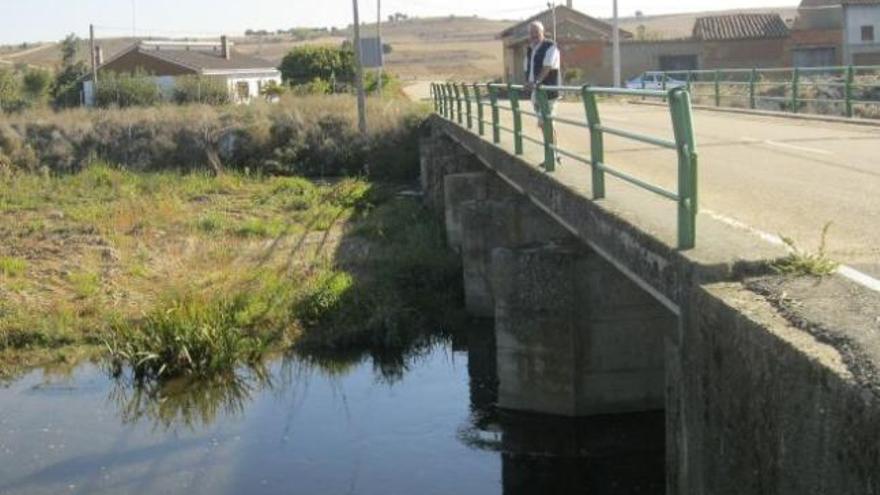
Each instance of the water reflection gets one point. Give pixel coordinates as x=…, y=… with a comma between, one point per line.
x=186, y=402
x=421, y=421
x=619, y=454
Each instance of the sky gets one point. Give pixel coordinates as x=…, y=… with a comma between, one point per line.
x=50, y=20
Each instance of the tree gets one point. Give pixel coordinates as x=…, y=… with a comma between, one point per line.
x=69, y=49
x=304, y=64
x=36, y=84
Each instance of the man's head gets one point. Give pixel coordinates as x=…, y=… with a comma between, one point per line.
x=536, y=32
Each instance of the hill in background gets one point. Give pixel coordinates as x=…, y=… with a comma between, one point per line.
x=422, y=48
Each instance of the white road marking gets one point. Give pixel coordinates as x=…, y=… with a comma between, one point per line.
x=786, y=145
x=849, y=272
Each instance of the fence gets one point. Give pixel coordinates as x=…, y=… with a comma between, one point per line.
x=853, y=91
x=467, y=105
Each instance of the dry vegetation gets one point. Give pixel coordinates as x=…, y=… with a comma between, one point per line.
x=192, y=269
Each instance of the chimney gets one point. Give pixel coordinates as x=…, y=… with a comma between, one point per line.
x=99, y=55
x=224, y=47
x=569, y=4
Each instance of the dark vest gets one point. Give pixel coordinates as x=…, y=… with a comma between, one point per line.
x=552, y=78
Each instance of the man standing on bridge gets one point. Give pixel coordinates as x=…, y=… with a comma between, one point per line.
x=542, y=67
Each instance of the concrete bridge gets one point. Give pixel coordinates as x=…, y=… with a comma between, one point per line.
x=769, y=383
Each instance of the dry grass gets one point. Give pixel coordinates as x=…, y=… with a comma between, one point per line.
x=193, y=274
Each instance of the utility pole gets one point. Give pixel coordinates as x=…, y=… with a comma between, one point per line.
x=381, y=47
x=552, y=7
x=616, y=48
x=133, y=19
x=94, y=59
x=359, y=72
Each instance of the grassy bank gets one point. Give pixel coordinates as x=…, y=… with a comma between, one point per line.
x=310, y=135
x=187, y=273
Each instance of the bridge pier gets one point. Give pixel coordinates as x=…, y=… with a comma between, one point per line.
x=574, y=336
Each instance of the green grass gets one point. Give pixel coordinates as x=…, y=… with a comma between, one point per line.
x=187, y=274
x=85, y=284
x=12, y=267
x=804, y=263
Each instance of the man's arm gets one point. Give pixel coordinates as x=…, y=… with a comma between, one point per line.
x=539, y=79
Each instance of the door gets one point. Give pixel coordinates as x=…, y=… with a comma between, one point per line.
x=813, y=57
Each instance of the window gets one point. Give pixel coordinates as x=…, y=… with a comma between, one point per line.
x=867, y=33
x=243, y=89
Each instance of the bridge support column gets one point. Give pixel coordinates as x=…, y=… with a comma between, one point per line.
x=575, y=337
x=498, y=223
x=441, y=156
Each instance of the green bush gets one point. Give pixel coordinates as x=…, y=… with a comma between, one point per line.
x=197, y=89
x=304, y=64
x=127, y=90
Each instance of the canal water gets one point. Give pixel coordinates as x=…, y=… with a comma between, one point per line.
x=423, y=423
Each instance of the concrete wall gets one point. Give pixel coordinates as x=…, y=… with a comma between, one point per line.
x=763, y=407
x=856, y=16
x=744, y=53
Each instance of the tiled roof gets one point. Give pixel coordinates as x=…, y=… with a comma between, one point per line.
x=576, y=15
x=201, y=60
x=740, y=26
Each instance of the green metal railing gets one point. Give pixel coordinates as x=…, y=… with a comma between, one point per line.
x=852, y=91
x=450, y=98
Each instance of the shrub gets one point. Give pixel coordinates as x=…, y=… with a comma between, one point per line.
x=315, y=135
x=127, y=90
x=197, y=89
x=304, y=64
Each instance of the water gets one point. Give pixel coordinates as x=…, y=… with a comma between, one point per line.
x=420, y=425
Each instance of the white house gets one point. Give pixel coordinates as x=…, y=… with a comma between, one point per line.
x=245, y=75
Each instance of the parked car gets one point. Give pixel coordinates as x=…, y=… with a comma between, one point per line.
x=653, y=81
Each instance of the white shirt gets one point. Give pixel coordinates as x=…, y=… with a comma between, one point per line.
x=551, y=60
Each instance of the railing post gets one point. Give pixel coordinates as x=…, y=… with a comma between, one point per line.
x=850, y=78
x=688, y=81
x=753, y=79
x=450, y=107
x=682, y=124
x=597, y=145
x=513, y=94
x=458, y=107
x=481, y=127
x=794, y=90
x=717, y=88
x=467, y=105
x=547, y=126
x=665, y=79
x=493, y=99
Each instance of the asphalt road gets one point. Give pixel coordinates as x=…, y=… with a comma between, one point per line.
x=770, y=176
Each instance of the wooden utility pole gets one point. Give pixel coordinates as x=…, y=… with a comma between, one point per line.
x=616, y=47
x=381, y=48
x=94, y=59
x=359, y=72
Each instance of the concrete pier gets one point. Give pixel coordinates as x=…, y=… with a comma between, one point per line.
x=574, y=336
